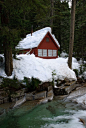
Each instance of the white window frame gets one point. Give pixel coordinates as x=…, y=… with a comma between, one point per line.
x=54, y=52
x=49, y=52
x=39, y=52
x=45, y=52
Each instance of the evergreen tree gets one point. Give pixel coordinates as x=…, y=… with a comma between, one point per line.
x=16, y=18
x=51, y=13
x=80, y=29
x=61, y=24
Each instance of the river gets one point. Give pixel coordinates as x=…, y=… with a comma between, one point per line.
x=55, y=114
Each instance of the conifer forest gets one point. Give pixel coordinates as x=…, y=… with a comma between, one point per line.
x=17, y=17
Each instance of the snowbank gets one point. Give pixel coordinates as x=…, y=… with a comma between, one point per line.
x=63, y=54
x=75, y=64
x=31, y=66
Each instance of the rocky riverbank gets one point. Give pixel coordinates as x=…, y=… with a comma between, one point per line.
x=45, y=93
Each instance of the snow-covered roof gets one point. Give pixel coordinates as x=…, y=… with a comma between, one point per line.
x=34, y=40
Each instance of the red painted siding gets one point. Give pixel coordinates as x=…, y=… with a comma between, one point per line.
x=34, y=51
x=44, y=45
x=48, y=45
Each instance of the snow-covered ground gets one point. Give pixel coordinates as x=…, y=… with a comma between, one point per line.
x=31, y=66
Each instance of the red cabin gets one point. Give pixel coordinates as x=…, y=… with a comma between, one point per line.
x=41, y=43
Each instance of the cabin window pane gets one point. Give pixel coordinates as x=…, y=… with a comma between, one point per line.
x=39, y=52
x=54, y=52
x=47, y=39
x=49, y=52
x=44, y=52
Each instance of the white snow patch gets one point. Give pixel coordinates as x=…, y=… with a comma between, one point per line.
x=31, y=66
x=75, y=64
x=63, y=54
x=2, y=72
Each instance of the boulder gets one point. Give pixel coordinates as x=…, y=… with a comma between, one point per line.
x=40, y=95
x=5, y=100
x=29, y=96
x=50, y=88
x=44, y=86
x=71, y=87
x=79, y=92
x=19, y=102
x=50, y=93
x=43, y=101
x=66, y=88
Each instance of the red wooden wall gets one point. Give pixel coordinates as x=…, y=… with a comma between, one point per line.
x=44, y=45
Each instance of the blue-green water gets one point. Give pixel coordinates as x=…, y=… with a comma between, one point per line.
x=55, y=114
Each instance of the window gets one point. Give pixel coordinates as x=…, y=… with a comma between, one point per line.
x=44, y=52
x=49, y=52
x=47, y=39
x=39, y=52
x=54, y=52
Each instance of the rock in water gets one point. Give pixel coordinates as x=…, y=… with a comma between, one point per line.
x=19, y=102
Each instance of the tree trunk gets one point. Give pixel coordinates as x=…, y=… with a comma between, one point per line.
x=8, y=59
x=72, y=25
x=6, y=42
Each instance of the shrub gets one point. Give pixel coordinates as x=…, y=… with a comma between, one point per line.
x=10, y=86
x=31, y=84
x=82, y=69
x=76, y=72
x=53, y=77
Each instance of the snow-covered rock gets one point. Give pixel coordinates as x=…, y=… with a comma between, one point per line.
x=78, y=92
x=81, y=99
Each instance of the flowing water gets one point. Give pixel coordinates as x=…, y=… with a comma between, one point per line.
x=55, y=114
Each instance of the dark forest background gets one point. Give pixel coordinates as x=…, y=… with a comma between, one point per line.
x=18, y=16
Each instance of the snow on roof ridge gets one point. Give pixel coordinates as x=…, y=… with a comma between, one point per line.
x=35, y=39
